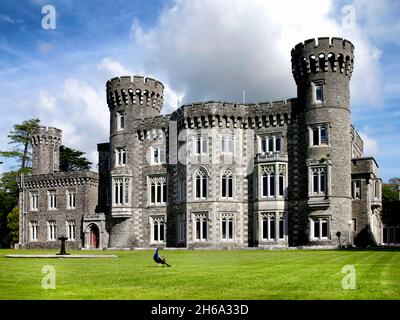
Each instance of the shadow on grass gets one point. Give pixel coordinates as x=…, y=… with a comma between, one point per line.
x=375, y=248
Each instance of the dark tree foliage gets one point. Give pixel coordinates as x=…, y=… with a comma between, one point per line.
x=73, y=160
x=21, y=147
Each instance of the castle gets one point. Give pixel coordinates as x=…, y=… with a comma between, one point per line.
x=214, y=174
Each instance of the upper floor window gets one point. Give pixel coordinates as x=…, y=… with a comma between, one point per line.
x=268, y=181
x=157, y=155
x=71, y=199
x=319, y=135
x=319, y=93
x=319, y=180
x=270, y=144
x=158, y=190
x=120, y=120
x=201, y=183
x=227, y=184
x=121, y=191
x=34, y=200
x=34, y=231
x=120, y=156
x=377, y=189
x=227, y=144
x=201, y=144
x=356, y=189
x=52, y=200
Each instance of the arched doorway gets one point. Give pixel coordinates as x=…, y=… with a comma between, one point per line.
x=94, y=236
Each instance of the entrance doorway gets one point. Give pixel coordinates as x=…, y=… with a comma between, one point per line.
x=94, y=236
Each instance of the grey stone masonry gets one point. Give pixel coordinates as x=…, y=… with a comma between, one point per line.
x=218, y=174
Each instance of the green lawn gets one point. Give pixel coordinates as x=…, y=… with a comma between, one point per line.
x=251, y=274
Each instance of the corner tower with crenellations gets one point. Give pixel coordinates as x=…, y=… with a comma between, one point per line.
x=230, y=175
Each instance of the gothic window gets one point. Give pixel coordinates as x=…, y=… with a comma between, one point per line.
x=319, y=179
x=71, y=230
x=281, y=227
x=319, y=135
x=356, y=189
x=34, y=231
x=320, y=228
x=282, y=180
x=227, y=144
x=51, y=231
x=200, y=227
x=227, y=184
x=52, y=200
x=268, y=181
x=34, y=200
x=120, y=156
x=157, y=230
x=158, y=190
x=201, y=184
x=121, y=191
x=270, y=144
x=71, y=199
x=268, y=227
x=201, y=144
x=227, y=227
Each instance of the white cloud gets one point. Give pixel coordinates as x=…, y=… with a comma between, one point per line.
x=213, y=49
x=46, y=101
x=113, y=68
x=371, y=146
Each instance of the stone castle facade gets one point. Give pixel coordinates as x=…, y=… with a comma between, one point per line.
x=214, y=174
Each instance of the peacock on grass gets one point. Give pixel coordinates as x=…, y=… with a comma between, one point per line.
x=160, y=260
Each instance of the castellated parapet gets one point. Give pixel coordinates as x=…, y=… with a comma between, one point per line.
x=143, y=95
x=45, y=150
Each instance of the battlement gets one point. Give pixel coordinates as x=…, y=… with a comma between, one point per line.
x=136, y=90
x=45, y=135
x=316, y=56
x=235, y=115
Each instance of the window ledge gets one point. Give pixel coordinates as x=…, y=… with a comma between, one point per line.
x=319, y=201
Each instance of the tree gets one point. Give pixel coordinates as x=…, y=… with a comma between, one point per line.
x=389, y=192
x=13, y=225
x=395, y=181
x=20, y=139
x=73, y=160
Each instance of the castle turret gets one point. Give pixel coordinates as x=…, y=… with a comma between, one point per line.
x=322, y=70
x=129, y=99
x=45, y=150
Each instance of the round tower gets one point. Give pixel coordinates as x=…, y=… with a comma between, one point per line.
x=322, y=70
x=45, y=150
x=129, y=99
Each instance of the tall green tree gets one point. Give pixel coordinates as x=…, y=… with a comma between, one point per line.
x=13, y=225
x=73, y=160
x=21, y=147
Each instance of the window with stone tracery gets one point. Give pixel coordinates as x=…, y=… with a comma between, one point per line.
x=158, y=190
x=157, y=230
x=201, y=183
x=121, y=191
x=227, y=184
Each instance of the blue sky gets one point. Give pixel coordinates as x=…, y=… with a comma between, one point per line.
x=200, y=49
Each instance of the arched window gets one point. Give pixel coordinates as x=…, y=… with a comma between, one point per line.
x=313, y=64
x=201, y=184
x=158, y=190
x=268, y=181
x=227, y=184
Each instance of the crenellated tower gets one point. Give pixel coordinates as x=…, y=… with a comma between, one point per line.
x=45, y=150
x=130, y=100
x=322, y=70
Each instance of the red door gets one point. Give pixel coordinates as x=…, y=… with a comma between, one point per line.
x=94, y=237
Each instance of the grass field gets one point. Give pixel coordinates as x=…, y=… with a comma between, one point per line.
x=252, y=274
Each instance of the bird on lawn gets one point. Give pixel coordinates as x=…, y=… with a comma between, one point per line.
x=159, y=259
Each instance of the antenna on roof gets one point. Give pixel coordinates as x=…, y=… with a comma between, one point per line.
x=244, y=96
